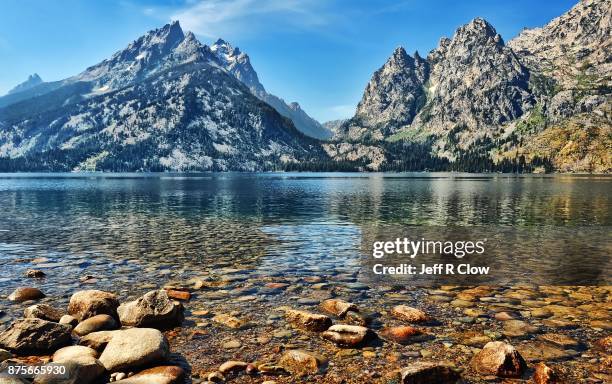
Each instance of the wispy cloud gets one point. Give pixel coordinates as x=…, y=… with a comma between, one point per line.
x=229, y=18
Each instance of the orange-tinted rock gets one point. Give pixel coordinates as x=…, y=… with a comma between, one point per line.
x=544, y=375
x=409, y=314
x=499, y=359
x=338, y=307
x=402, y=334
x=178, y=295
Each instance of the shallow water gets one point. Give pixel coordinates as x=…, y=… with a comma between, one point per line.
x=127, y=228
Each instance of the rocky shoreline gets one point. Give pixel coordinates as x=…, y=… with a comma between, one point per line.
x=235, y=329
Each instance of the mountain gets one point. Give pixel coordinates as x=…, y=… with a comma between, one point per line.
x=540, y=102
x=239, y=64
x=32, y=81
x=165, y=102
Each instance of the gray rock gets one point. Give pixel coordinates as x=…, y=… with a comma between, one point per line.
x=44, y=312
x=154, y=309
x=135, y=347
x=86, y=304
x=31, y=336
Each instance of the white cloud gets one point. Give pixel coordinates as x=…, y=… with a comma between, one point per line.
x=230, y=18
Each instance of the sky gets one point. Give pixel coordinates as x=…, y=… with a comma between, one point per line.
x=320, y=53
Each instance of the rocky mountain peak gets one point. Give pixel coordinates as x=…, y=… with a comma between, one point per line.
x=238, y=64
x=32, y=81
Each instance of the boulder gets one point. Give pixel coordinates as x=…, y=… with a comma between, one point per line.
x=338, y=307
x=135, y=347
x=346, y=335
x=409, y=314
x=81, y=365
x=308, y=321
x=499, y=359
x=169, y=374
x=86, y=304
x=22, y=294
x=299, y=362
x=422, y=372
x=95, y=324
x=544, y=375
x=44, y=312
x=33, y=336
x=153, y=310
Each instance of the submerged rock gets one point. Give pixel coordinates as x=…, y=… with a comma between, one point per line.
x=346, y=335
x=35, y=274
x=86, y=304
x=32, y=336
x=308, y=321
x=22, y=294
x=338, y=307
x=499, y=359
x=135, y=347
x=429, y=373
x=44, y=312
x=299, y=362
x=409, y=314
x=544, y=375
x=154, y=309
x=229, y=321
x=403, y=334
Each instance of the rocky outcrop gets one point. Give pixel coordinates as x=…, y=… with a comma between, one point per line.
x=154, y=310
x=34, y=336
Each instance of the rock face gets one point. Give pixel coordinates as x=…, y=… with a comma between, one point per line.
x=299, y=362
x=429, y=373
x=95, y=324
x=34, y=336
x=392, y=98
x=308, y=321
x=499, y=359
x=86, y=304
x=154, y=310
x=239, y=64
x=133, y=348
x=159, y=375
x=44, y=312
x=164, y=102
x=26, y=293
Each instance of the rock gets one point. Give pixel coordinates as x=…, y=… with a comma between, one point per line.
x=232, y=344
x=5, y=355
x=308, y=321
x=518, y=328
x=544, y=351
x=69, y=320
x=178, y=295
x=337, y=307
x=544, y=375
x=429, y=373
x=44, y=312
x=356, y=318
x=135, y=347
x=81, y=365
x=26, y=293
x=499, y=359
x=31, y=336
x=97, y=340
x=299, y=362
x=34, y=274
x=346, y=335
x=229, y=321
x=559, y=340
x=605, y=344
x=169, y=374
x=95, y=324
x=154, y=310
x=232, y=366
x=409, y=314
x=403, y=335
x=86, y=304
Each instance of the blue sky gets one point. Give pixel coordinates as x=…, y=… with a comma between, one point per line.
x=320, y=53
